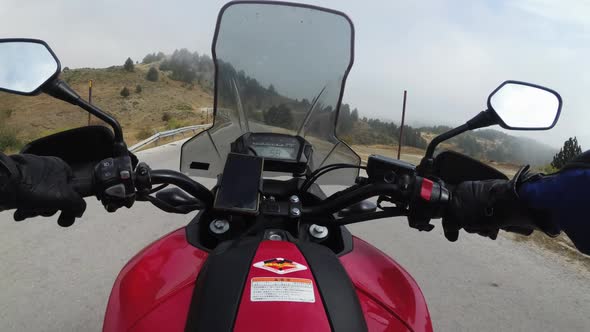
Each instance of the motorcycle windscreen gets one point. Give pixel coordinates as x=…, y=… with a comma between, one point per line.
x=280, y=68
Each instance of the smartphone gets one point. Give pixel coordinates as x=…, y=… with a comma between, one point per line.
x=239, y=188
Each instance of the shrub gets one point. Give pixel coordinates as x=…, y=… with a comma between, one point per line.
x=166, y=117
x=184, y=107
x=280, y=116
x=152, y=75
x=5, y=114
x=125, y=92
x=129, y=66
x=173, y=124
x=143, y=134
x=138, y=89
x=8, y=140
x=548, y=169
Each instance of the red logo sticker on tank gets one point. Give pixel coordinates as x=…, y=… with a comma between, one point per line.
x=280, y=266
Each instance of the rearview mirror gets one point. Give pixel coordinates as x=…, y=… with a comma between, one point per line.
x=525, y=106
x=26, y=65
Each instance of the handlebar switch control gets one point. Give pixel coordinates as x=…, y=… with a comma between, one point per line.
x=114, y=183
x=381, y=169
x=117, y=191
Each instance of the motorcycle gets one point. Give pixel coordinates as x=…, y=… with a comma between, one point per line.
x=268, y=249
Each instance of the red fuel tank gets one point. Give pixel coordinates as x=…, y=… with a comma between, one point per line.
x=154, y=290
x=383, y=282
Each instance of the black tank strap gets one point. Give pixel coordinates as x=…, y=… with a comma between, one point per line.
x=219, y=287
x=338, y=293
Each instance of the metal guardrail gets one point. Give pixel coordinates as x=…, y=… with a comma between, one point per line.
x=164, y=134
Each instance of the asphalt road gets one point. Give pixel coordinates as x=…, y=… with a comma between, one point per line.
x=54, y=279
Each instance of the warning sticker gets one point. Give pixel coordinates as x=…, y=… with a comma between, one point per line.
x=282, y=290
x=280, y=266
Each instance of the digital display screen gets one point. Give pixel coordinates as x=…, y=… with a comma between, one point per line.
x=276, y=152
x=275, y=146
x=240, y=184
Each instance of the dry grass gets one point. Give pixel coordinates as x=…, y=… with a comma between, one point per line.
x=561, y=246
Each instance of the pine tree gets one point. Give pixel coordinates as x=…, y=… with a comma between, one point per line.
x=129, y=66
x=569, y=151
x=152, y=75
x=355, y=115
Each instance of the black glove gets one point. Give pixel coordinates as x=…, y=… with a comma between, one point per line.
x=485, y=207
x=39, y=186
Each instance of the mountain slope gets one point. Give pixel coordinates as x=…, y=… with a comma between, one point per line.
x=33, y=117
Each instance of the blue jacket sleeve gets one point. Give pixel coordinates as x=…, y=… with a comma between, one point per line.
x=566, y=197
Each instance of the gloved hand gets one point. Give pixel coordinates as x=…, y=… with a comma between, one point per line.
x=485, y=207
x=39, y=186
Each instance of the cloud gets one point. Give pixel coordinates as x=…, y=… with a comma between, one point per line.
x=568, y=12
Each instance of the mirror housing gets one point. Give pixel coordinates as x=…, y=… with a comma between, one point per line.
x=525, y=106
x=533, y=98
x=26, y=65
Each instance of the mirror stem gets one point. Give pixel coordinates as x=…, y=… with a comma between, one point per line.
x=443, y=137
x=483, y=119
x=61, y=90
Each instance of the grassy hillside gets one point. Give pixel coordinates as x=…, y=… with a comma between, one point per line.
x=162, y=104
x=488, y=145
x=172, y=102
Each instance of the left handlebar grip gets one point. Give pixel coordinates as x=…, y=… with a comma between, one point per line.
x=83, y=185
x=83, y=179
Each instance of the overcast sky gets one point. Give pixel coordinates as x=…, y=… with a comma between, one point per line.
x=448, y=54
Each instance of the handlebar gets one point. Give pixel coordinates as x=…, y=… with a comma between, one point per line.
x=89, y=181
x=411, y=191
x=330, y=206
x=405, y=191
x=165, y=176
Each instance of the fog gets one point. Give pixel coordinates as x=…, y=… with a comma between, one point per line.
x=449, y=55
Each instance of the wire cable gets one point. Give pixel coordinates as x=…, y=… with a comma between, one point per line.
x=323, y=170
